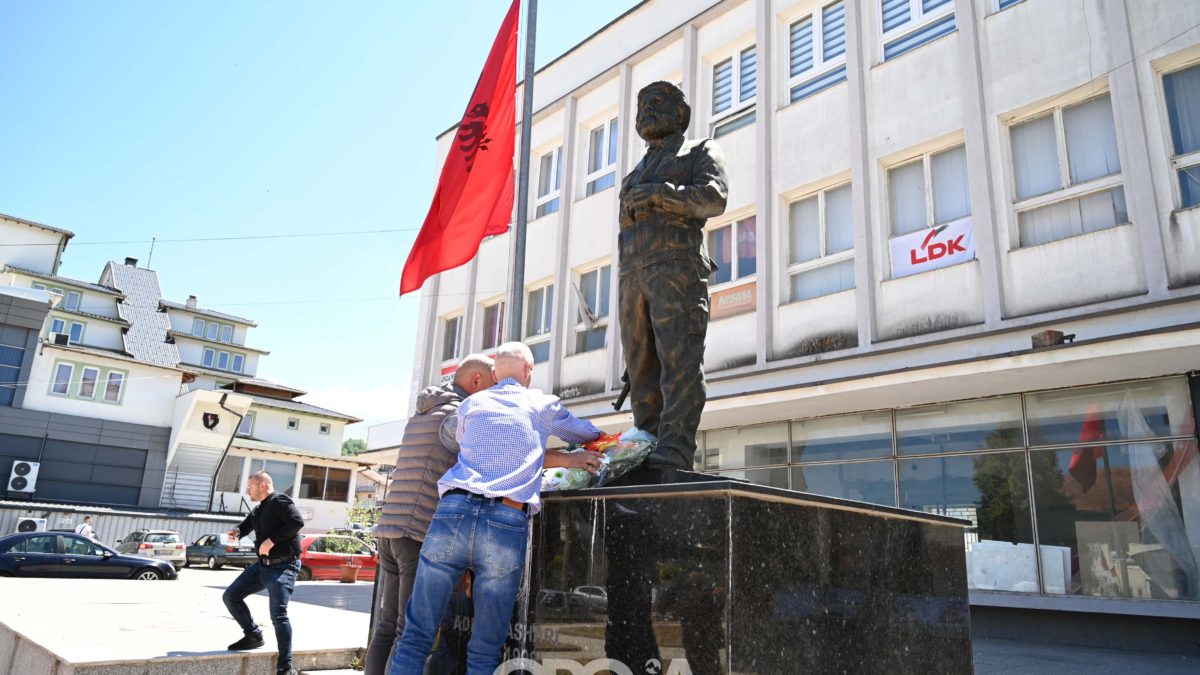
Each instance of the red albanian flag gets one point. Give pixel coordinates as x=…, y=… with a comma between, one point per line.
x=474, y=196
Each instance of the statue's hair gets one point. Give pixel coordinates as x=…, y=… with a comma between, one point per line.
x=673, y=93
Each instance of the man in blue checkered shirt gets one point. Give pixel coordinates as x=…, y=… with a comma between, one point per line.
x=482, y=520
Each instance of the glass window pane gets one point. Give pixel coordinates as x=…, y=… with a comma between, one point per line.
x=587, y=287
x=247, y=424
x=112, y=389
x=748, y=77
x=87, y=382
x=209, y=357
x=720, y=249
x=72, y=300
x=533, y=312
x=558, y=170
x=823, y=281
x=1091, y=140
x=777, y=477
x=906, y=195
x=988, y=424
x=549, y=311
x=801, y=46
x=283, y=474
x=856, y=436
x=198, y=327
x=312, y=482
x=612, y=142
x=596, y=150
x=722, y=86
x=747, y=242
x=761, y=445
x=833, y=29
x=450, y=339
x=605, y=289
x=872, y=482
x=1035, y=158
x=589, y=340
x=805, y=224
x=223, y=361
x=76, y=332
x=541, y=351
x=226, y=333
x=1120, y=519
x=990, y=491
x=1182, y=93
x=62, y=379
x=545, y=172
x=58, y=326
x=212, y=331
x=230, y=476
x=951, y=194
x=839, y=220
x=337, y=485
x=1073, y=217
x=239, y=362
x=1189, y=186
x=1128, y=411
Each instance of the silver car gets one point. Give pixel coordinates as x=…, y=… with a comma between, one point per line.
x=165, y=545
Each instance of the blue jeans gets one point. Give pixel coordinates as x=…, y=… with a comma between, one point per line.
x=466, y=532
x=280, y=581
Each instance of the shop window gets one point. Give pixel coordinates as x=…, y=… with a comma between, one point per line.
x=872, y=482
x=988, y=424
x=740, y=447
x=856, y=436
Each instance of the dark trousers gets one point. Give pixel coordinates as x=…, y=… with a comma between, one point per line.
x=664, y=317
x=279, y=581
x=397, y=569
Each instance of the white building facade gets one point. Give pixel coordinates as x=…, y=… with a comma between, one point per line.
x=917, y=187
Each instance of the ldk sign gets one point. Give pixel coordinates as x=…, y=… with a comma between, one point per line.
x=933, y=248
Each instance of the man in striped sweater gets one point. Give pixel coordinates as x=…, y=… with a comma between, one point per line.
x=427, y=451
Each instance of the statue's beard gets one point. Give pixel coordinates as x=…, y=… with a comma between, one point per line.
x=652, y=128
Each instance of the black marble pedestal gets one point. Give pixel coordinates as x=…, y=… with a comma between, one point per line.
x=737, y=578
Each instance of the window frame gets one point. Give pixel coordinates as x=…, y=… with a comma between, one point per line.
x=226, y=327
x=820, y=68
x=546, y=327
x=55, y=379
x=497, y=339
x=918, y=19
x=201, y=324
x=250, y=415
x=205, y=360
x=1190, y=161
x=78, y=303
x=83, y=371
x=71, y=339
x=602, y=320
x=122, y=377
x=610, y=132
x=926, y=158
x=824, y=259
x=542, y=203
x=734, y=278
x=1068, y=191
x=293, y=424
x=737, y=104
x=458, y=331
x=325, y=428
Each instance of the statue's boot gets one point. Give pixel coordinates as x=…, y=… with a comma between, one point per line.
x=669, y=458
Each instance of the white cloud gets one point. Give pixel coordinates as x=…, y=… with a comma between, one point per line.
x=381, y=403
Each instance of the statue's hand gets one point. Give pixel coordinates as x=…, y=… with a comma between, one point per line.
x=647, y=195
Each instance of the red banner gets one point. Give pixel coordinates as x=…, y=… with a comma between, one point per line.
x=474, y=196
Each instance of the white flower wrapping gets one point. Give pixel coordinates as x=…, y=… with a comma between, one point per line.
x=631, y=448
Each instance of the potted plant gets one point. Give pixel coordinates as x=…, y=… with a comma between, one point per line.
x=350, y=570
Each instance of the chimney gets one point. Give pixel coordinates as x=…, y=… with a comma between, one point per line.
x=131, y=261
x=191, y=302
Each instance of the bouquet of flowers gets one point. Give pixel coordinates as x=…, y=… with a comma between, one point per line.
x=618, y=455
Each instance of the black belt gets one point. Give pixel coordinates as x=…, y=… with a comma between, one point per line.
x=511, y=503
x=275, y=561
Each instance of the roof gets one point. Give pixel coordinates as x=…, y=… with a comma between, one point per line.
x=205, y=370
x=30, y=223
x=227, y=345
x=108, y=354
x=263, y=446
x=65, y=281
x=89, y=315
x=373, y=476
x=266, y=384
x=167, y=304
x=297, y=406
x=146, y=337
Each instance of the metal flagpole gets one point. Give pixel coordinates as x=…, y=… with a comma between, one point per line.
x=516, y=295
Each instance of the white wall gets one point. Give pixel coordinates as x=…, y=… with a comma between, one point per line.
x=148, y=398
x=28, y=247
x=271, y=425
x=96, y=332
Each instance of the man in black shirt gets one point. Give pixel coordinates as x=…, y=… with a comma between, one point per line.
x=276, y=524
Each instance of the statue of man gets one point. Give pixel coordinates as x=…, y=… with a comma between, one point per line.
x=664, y=264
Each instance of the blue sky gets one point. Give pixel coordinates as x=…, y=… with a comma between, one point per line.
x=125, y=121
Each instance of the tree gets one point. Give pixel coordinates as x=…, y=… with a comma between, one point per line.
x=354, y=446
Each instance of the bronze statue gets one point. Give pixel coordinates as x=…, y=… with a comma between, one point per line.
x=664, y=265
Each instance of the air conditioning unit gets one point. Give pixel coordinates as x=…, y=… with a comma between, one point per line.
x=23, y=477
x=31, y=525
x=60, y=339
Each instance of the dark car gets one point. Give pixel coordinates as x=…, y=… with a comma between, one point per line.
x=54, y=554
x=214, y=551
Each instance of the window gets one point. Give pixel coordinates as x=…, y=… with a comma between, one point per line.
x=74, y=329
x=213, y=330
x=734, y=84
x=451, y=338
x=246, y=427
x=328, y=484
x=226, y=333
x=283, y=474
x=821, y=258
x=734, y=261
x=539, y=314
x=1066, y=173
x=229, y=478
x=928, y=191
x=223, y=360
x=1181, y=90
x=12, y=353
x=210, y=357
x=76, y=333
x=239, y=362
x=198, y=328
x=593, y=292
x=39, y=287
x=114, y=386
x=58, y=325
x=602, y=157
x=1005, y=4
x=71, y=302
x=817, y=53
x=293, y=424
x=76, y=546
x=908, y=24
x=493, y=325
x=61, y=386
x=549, y=183
x=324, y=428
x=87, y=382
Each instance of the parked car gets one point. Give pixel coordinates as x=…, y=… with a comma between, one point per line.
x=592, y=598
x=54, y=554
x=322, y=557
x=214, y=551
x=158, y=544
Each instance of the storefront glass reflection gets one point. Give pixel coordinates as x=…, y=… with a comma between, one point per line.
x=862, y=481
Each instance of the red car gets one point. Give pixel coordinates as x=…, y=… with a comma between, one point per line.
x=322, y=557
